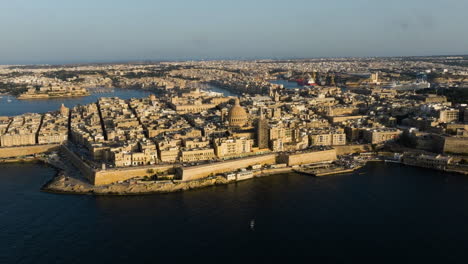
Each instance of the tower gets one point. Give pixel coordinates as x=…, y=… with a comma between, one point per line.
x=277, y=96
x=261, y=130
x=64, y=110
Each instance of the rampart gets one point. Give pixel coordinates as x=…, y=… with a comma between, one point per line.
x=10, y=152
x=109, y=176
x=349, y=149
x=292, y=159
x=85, y=169
x=201, y=171
x=456, y=145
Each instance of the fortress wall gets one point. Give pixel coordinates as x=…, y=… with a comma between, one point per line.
x=308, y=157
x=457, y=145
x=197, y=172
x=10, y=152
x=349, y=149
x=109, y=176
x=85, y=169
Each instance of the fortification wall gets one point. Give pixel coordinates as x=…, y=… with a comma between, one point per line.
x=10, y=152
x=307, y=157
x=108, y=176
x=197, y=172
x=349, y=149
x=457, y=145
x=85, y=169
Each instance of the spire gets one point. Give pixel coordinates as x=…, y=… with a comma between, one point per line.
x=63, y=110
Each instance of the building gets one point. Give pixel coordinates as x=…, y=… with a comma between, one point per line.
x=237, y=117
x=194, y=155
x=327, y=138
x=261, y=131
x=381, y=135
x=448, y=115
x=232, y=147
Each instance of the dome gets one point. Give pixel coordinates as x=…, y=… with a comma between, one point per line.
x=237, y=115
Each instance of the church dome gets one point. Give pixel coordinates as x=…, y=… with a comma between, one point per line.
x=237, y=115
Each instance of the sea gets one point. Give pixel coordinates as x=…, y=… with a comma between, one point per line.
x=387, y=213
x=382, y=213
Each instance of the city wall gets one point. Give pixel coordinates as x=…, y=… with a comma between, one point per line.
x=307, y=157
x=197, y=172
x=349, y=149
x=85, y=169
x=456, y=145
x=108, y=176
x=10, y=152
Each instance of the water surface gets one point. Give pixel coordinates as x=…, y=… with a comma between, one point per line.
x=386, y=213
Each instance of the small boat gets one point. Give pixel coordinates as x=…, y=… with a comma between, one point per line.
x=393, y=161
x=252, y=224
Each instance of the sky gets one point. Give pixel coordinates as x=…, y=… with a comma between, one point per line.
x=85, y=31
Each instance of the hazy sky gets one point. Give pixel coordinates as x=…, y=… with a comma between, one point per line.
x=65, y=31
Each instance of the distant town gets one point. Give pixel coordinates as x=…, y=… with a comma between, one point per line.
x=313, y=116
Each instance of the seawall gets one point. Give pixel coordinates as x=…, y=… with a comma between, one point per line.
x=197, y=172
x=108, y=176
x=292, y=159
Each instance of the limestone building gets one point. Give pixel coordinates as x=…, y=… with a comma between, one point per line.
x=237, y=117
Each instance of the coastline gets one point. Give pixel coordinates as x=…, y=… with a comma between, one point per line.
x=68, y=179
x=62, y=183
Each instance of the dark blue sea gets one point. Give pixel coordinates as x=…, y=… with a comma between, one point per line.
x=383, y=213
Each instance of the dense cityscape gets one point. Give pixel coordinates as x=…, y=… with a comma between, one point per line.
x=316, y=116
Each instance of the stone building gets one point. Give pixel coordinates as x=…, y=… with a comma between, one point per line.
x=261, y=131
x=237, y=117
x=448, y=115
x=232, y=147
x=381, y=135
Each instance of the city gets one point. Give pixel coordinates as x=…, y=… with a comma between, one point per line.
x=298, y=115
x=239, y=131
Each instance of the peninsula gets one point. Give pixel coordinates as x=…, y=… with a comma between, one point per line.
x=316, y=117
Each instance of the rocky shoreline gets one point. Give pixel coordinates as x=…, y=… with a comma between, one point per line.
x=64, y=184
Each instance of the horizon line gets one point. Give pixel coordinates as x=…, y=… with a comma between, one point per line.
x=150, y=61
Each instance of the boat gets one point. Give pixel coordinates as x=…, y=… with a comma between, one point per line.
x=393, y=161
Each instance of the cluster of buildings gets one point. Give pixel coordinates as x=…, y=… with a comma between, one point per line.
x=32, y=129
x=181, y=124
x=53, y=91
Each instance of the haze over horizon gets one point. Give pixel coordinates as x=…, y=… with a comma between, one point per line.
x=59, y=32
